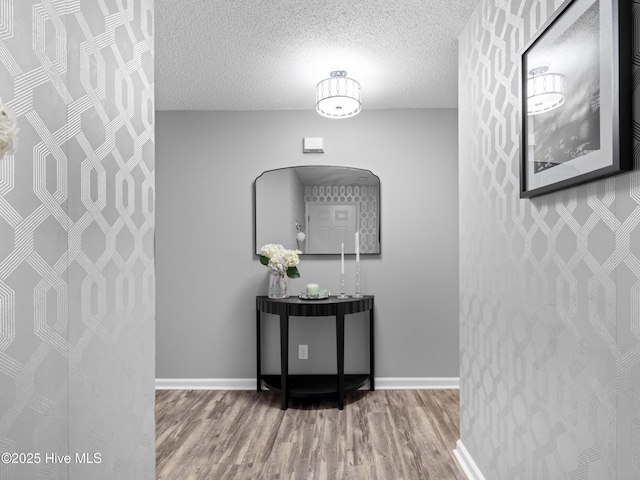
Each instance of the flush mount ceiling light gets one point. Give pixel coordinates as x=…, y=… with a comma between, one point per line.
x=545, y=91
x=338, y=96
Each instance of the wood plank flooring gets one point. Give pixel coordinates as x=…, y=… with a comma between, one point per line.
x=243, y=435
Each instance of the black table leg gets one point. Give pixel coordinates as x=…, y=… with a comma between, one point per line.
x=340, y=349
x=371, y=353
x=258, y=352
x=284, y=357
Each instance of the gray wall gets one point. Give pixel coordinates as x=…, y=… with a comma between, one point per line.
x=76, y=239
x=208, y=274
x=549, y=287
x=280, y=228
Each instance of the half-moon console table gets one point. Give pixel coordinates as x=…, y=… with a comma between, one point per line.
x=312, y=386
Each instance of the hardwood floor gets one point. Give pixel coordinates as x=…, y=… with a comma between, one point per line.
x=385, y=435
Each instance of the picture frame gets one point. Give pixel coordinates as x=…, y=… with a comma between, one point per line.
x=575, y=84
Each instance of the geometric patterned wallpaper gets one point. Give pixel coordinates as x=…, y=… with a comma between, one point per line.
x=549, y=286
x=368, y=199
x=77, y=279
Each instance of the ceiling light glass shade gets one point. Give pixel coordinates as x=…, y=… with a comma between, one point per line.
x=338, y=96
x=545, y=91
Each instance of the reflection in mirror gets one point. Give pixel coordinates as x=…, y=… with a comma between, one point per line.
x=318, y=208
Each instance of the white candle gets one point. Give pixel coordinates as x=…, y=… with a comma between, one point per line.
x=313, y=289
x=357, y=246
x=342, y=260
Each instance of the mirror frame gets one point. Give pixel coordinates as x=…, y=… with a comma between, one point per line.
x=256, y=247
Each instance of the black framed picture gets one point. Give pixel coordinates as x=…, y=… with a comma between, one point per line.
x=576, y=97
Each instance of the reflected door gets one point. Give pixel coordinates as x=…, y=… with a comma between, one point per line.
x=330, y=225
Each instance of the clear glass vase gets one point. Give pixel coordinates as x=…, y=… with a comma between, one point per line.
x=278, y=286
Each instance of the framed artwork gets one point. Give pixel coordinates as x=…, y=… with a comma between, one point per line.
x=576, y=97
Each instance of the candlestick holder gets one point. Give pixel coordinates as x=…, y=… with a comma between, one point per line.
x=342, y=289
x=357, y=294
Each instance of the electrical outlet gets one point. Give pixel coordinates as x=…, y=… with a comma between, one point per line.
x=303, y=352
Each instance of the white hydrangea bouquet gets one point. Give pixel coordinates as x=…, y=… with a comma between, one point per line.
x=8, y=131
x=279, y=260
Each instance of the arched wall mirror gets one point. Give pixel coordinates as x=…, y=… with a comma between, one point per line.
x=317, y=208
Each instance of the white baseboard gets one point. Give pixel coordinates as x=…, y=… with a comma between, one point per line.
x=466, y=462
x=205, y=383
x=382, y=383
x=417, y=383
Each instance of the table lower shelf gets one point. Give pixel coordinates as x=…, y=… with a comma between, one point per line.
x=315, y=386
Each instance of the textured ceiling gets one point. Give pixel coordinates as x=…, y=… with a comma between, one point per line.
x=269, y=55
